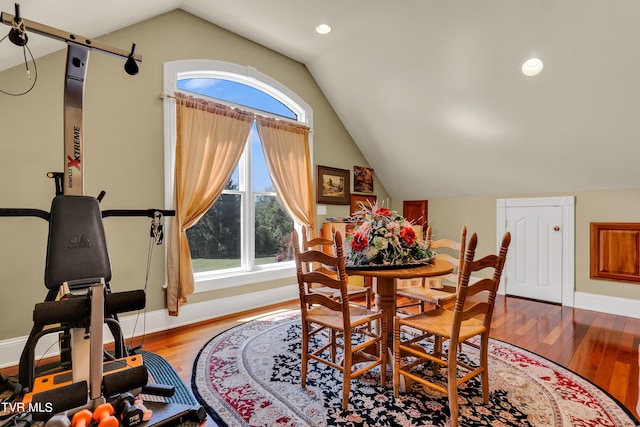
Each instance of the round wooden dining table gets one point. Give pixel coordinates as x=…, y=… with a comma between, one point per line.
x=384, y=284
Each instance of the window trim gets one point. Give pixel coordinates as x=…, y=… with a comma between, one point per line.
x=246, y=75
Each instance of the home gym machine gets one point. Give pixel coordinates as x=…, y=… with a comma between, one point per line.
x=77, y=275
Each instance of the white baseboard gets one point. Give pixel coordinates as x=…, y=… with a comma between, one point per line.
x=606, y=304
x=158, y=320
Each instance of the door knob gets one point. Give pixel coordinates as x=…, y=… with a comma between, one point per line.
x=556, y=228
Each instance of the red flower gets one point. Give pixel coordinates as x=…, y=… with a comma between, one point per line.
x=359, y=242
x=383, y=212
x=408, y=235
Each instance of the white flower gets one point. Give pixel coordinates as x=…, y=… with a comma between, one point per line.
x=380, y=242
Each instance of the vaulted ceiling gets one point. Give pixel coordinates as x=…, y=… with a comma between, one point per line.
x=432, y=92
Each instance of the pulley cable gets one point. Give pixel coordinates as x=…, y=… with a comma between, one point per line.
x=25, y=49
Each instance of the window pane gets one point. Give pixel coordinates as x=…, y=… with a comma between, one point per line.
x=273, y=231
x=234, y=182
x=215, y=241
x=237, y=93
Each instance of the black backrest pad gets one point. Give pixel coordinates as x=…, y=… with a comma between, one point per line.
x=77, y=248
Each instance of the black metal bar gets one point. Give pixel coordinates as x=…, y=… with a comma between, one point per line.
x=25, y=212
x=150, y=213
x=137, y=212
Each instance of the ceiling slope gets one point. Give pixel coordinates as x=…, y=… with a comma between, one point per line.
x=432, y=91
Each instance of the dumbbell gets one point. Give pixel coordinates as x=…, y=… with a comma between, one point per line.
x=128, y=412
x=146, y=413
x=81, y=418
x=103, y=414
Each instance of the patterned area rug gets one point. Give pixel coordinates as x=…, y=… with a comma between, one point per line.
x=250, y=376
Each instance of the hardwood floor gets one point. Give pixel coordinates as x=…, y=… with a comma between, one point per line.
x=603, y=348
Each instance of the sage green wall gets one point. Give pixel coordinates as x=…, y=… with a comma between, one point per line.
x=447, y=215
x=124, y=152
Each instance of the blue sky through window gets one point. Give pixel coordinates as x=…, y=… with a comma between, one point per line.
x=237, y=93
x=242, y=94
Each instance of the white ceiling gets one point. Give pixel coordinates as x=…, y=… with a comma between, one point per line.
x=431, y=91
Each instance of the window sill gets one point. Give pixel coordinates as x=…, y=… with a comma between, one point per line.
x=206, y=282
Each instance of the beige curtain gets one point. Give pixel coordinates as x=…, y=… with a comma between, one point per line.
x=286, y=150
x=210, y=141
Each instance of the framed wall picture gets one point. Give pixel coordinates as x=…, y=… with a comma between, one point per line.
x=333, y=186
x=362, y=179
x=356, y=201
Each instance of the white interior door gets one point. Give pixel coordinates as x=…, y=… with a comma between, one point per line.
x=538, y=264
x=534, y=264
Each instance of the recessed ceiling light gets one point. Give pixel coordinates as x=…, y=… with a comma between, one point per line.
x=532, y=67
x=323, y=29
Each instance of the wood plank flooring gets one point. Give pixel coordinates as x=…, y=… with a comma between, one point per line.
x=602, y=348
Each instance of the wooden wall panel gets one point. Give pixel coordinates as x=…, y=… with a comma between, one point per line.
x=615, y=251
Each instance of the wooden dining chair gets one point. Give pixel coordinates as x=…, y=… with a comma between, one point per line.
x=334, y=332
x=327, y=245
x=444, y=290
x=456, y=326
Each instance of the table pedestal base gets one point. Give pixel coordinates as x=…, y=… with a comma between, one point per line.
x=385, y=298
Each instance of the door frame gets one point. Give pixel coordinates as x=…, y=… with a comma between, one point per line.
x=567, y=204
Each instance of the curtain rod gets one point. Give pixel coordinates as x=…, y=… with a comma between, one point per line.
x=247, y=110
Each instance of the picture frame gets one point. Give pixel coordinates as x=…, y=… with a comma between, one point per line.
x=358, y=200
x=333, y=186
x=362, y=179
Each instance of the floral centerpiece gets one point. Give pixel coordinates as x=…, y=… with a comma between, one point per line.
x=383, y=238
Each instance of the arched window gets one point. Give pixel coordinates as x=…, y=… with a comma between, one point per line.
x=244, y=237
